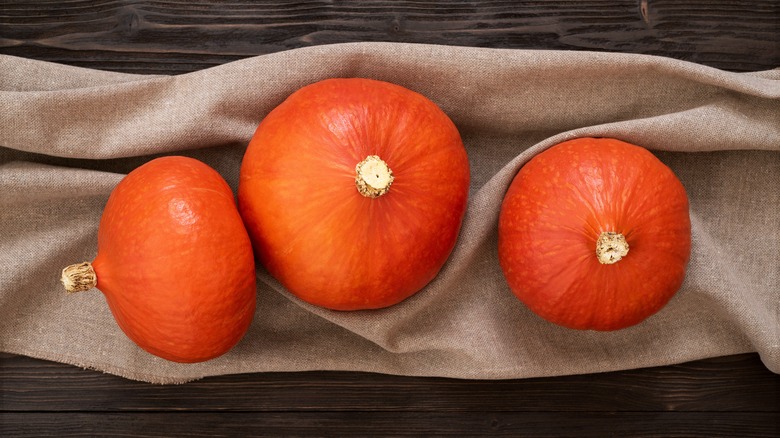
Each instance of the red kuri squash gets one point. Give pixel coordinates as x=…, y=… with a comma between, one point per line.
x=595, y=234
x=174, y=261
x=353, y=191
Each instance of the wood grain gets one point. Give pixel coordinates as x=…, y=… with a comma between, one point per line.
x=32, y=385
x=177, y=36
x=732, y=396
x=341, y=424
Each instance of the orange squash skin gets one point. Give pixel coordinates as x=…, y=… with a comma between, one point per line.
x=314, y=232
x=556, y=208
x=175, y=262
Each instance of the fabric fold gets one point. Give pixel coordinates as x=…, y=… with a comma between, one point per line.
x=68, y=134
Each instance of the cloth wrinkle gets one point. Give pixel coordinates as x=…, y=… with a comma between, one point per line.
x=68, y=135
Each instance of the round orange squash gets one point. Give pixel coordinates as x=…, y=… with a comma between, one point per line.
x=595, y=233
x=353, y=192
x=174, y=261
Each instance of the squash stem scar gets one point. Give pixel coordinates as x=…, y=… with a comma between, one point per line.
x=79, y=277
x=611, y=247
x=373, y=177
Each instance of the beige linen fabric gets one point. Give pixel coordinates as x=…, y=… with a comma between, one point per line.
x=68, y=135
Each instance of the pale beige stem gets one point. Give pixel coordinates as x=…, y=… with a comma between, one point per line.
x=79, y=277
x=611, y=247
x=373, y=177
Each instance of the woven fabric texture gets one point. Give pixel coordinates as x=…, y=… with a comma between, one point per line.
x=68, y=135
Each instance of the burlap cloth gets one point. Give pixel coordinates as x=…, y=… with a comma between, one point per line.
x=68, y=135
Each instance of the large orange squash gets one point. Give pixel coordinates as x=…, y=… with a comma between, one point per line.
x=174, y=261
x=595, y=234
x=353, y=191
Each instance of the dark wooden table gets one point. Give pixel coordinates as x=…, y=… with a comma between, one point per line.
x=732, y=396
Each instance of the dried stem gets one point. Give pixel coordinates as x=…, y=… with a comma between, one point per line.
x=79, y=277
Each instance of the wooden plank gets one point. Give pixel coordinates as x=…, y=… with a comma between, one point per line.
x=737, y=384
x=177, y=37
x=536, y=424
x=732, y=396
